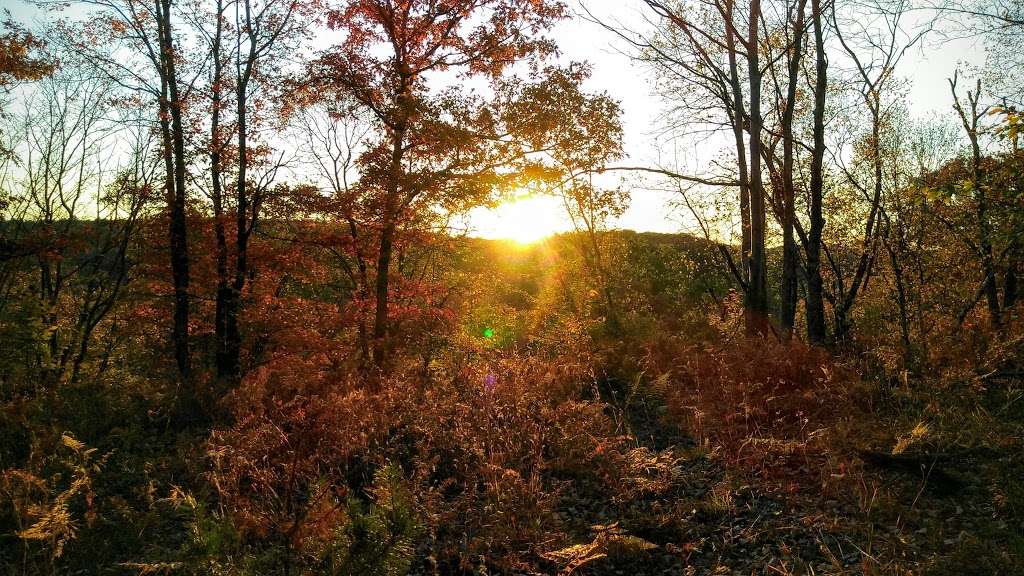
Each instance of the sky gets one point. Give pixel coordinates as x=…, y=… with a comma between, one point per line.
x=926, y=68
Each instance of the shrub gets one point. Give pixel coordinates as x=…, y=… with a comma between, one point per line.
x=465, y=468
x=764, y=402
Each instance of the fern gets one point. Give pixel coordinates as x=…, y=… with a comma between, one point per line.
x=610, y=541
x=46, y=506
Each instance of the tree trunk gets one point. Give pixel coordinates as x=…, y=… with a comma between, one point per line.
x=789, y=255
x=871, y=229
x=815, y=301
x=969, y=120
x=738, y=116
x=174, y=138
x=380, y=323
x=243, y=224
x=387, y=239
x=233, y=338
x=901, y=293
x=757, y=295
x=223, y=288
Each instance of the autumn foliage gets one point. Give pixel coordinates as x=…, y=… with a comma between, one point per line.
x=245, y=327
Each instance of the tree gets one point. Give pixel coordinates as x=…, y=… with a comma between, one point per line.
x=426, y=152
x=784, y=52
x=576, y=135
x=261, y=36
x=332, y=137
x=19, y=59
x=137, y=46
x=19, y=62
x=874, y=56
x=974, y=197
x=708, y=55
x=790, y=256
x=969, y=118
x=815, y=304
x=74, y=219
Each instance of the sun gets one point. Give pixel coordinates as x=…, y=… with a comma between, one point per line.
x=524, y=219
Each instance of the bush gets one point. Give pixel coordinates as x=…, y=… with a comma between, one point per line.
x=466, y=468
x=762, y=401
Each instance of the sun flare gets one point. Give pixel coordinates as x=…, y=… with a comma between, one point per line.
x=525, y=219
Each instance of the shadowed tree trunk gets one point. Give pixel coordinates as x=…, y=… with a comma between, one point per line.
x=259, y=32
x=173, y=140
x=384, y=255
x=815, y=302
x=216, y=175
x=789, y=256
x=757, y=295
x=738, y=113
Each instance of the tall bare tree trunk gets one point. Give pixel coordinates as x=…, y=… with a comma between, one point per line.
x=233, y=338
x=757, y=295
x=969, y=119
x=381, y=323
x=246, y=203
x=815, y=287
x=738, y=118
x=790, y=256
x=173, y=132
x=216, y=175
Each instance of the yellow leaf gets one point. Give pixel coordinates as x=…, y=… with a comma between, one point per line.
x=70, y=441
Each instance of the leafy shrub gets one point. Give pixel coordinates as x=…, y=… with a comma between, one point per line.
x=465, y=468
x=762, y=401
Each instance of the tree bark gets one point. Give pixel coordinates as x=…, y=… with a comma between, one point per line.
x=738, y=117
x=173, y=132
x=790, y=256
x=381, y=320
x=757, y=295
x=244, y=202
x=381, y=323
x=233, y=338
x=815, y=302
x=216, y=174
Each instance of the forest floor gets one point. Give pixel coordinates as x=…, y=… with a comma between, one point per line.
x=950, y=515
